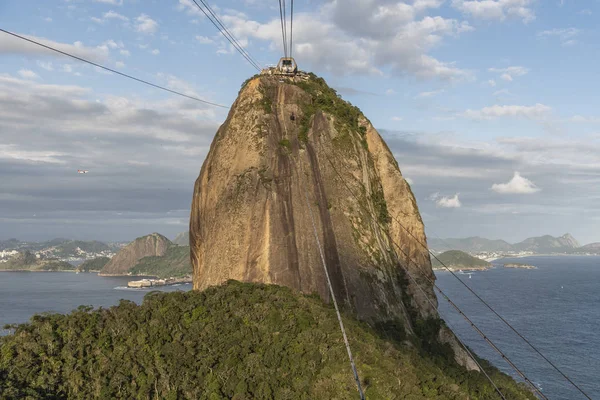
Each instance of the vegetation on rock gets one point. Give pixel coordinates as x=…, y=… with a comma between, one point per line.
x=237, y=341
x=459, y=259
x=95, y=264
x=175, y=263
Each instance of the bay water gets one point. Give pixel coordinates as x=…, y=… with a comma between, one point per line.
x=556, y=307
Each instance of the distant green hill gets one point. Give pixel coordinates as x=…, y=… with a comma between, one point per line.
x=95, y=264
x=26, y=261
x=237, y=341
x=175, y=263
x=457, y=259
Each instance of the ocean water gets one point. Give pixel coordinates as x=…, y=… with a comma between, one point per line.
x=556, y=307
x=23, y=294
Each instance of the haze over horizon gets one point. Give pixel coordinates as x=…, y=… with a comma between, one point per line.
x=502, y=143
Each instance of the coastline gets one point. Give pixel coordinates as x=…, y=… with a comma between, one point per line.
x=540, y=255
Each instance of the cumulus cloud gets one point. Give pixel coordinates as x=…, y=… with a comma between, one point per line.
x=155, y=52
x=496, y=9
x=12, y=45
x=517, y=185
x=114, y=15
x=448, y=202
x=515, y=111
x=509, y=73
x=145, y=24
x=396, y=119
x=28, y=74
x=368, y=37
x=142, y=155
x=565, y=36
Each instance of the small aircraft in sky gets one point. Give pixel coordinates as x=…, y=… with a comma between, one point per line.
x=82, y=171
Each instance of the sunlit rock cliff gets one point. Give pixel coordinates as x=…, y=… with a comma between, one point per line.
x=145, y=246
x=289, y=139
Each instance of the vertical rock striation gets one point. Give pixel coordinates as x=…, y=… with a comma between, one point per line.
x=288, y=138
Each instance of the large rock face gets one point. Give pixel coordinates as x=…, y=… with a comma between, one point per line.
x=288, y=138
x=150, y=245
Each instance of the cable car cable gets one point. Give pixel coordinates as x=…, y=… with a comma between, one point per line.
x=498, y=315
x=473, y=325
x=292, y=29
x=240, y=50
x=494, y=311
x=285, y=28
x=329, y=285
x=112, y=70
x=464, y=346
x=239, y=46
x=282, y=29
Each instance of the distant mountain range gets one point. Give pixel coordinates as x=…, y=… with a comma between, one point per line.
x=539, y=245
x=64, y=249
x=152, y=254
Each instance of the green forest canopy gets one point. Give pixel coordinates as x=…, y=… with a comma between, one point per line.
x=236, y=341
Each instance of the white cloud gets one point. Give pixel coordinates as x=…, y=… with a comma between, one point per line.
x=517, y=185
x=120, y=64
x=432, y=93
x=396, y=118
x=204, y=39
x=492, y=83
x=145, y=24
x=566, y=36
x=536, y=111
x=45, y=65
x=125, y=53
x=12, y=45
x=449, y=202
x=13, y=152
x=48, y=19
x=115, y=15
x=190, y=8
x=364, y=37
x=155, y=52
x=496, y=9
x=509, y=73
x=390, y=92
x=28, y=74
x=113, y=2
x=409, y=181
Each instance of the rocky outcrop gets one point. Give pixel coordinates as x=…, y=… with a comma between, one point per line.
x=182, y=239
x=150, y=245
x=286, y=140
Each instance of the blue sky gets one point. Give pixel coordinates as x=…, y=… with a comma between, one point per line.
x=489, y=106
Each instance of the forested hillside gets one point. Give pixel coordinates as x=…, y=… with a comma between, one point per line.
x=238, y=341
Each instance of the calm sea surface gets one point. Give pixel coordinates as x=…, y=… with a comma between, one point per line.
x=557, y=307
x=23, y=294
